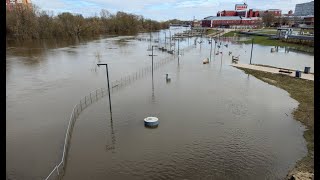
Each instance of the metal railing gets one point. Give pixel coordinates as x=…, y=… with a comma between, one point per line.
x=58, y=171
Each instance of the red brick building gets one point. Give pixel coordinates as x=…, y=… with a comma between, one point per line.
x=229, y=21
x=309, y=20
x=196, y=23
x=242, y=10
x=275, y=12
x=249, y=13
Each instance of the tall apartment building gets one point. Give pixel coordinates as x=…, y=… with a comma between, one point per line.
x=304, y=9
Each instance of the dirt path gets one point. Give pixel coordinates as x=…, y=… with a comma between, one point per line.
x=274, y=70
x=221, y=32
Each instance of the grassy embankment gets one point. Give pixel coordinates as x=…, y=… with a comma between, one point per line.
x=263, y=65
x=265, y=41
x=267, y=32
x=211, y=31
x=302, y=91
x=230, y=34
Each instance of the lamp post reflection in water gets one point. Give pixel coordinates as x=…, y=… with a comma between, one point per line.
x=251, y=51
x=113, y=137
x=153, y=99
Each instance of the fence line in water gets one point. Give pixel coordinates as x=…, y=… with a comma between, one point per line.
x=58, y=170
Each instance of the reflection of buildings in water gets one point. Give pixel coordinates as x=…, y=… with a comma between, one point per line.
x=281, y=49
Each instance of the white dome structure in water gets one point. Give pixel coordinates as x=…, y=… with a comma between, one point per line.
x=151, y=121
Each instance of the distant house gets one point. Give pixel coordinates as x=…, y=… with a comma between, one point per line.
x=196, y=23
x=309, y=20
x=275, y=12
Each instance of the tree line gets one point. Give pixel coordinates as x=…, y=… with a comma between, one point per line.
x=269, y=19
x=31, y=23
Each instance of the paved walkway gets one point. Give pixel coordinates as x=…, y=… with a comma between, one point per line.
x=221, y=32
x=274, y=70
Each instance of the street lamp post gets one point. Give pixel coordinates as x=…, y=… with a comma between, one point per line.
x=165, y=40
x=251, y=51
x=215, y=45
x=211, y=48
x=152, y=59
x=170, y=39
x=178, y=50
x=108, y=84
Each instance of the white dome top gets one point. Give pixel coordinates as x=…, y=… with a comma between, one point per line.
x=151, y=119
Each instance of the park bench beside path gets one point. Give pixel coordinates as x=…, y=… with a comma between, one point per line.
x=274, y=70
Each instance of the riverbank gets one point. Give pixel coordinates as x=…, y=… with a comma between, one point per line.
x=265, y=41
x=262, y=40
x=275, y=70
x=303, y=92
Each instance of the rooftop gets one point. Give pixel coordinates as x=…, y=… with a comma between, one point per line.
x=273, y=9
x=223, y=18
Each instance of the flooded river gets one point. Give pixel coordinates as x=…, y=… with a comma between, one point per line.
x=215, y=121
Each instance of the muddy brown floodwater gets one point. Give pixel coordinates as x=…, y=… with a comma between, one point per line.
x=215, y=121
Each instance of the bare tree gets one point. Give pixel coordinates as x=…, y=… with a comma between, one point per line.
x=285, y=21
x=25, y=23
x=268, y=19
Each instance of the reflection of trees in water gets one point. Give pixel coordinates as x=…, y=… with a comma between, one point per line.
x=97, y=60
x=113, y=137
x=32, y=52
x=122, y=42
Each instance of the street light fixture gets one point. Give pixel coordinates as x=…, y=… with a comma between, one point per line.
x=210, y=41
x=165, y=39
x=152, y=58
x=251, y=51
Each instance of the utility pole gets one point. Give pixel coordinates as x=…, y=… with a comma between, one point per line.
x=211, y=48
x=152, y=59
x=215, y=45
x=251, y=50
x=170, y=38
x=165, y=40
x=108, y=84
x=178, y=50
x=221, y=51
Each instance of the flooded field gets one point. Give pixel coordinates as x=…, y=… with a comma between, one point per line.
x=214, y=119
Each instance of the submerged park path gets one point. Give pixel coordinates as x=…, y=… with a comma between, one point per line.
x=274, y=70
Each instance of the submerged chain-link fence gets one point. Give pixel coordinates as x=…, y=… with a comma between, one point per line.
x=58, y=170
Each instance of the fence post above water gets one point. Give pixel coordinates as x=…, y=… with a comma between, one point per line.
x=57, y=169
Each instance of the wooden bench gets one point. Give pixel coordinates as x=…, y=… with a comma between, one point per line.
x=282, y=70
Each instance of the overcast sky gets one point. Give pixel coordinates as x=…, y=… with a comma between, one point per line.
x=160, y=9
